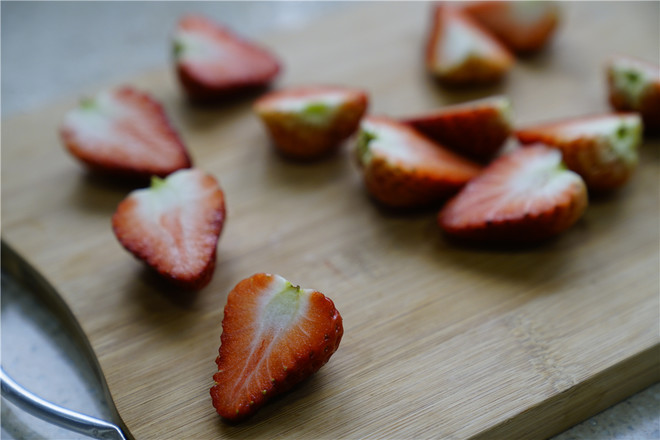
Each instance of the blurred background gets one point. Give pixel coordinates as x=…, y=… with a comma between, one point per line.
x=51, y=50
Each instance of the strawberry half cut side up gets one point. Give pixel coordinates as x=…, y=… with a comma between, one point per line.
x=307, y=123
x=602, y=148
x=476, y=129
x=213, y=63
x=274, y=335
x=523, y=26
x=634, y=85
x=174, y=226
x=403, y=169
x=460, y=52
x=124, y=133
x=521, y=198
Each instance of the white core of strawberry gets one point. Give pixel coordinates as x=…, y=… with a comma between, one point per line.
x=193, y=46
x=383, y=140
x=619, y=135
x=538, y=172
x=300, y=103
x=460, y=43
x=281, y=307
x=631, y=79
x=503, y=104
x=94, y=120
x=314, y=109
x=175, y=201
x=539, y=176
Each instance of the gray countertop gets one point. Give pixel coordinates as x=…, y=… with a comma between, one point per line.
x=110, y=42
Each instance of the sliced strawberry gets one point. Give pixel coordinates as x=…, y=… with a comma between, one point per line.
x=522, y=197
x=476, y=129
x=174, y=226
x=523, y=26
x=310, y=122
x=634, y=85
x=213, y=63
x=274, y=335
x=602, y=149
x=403, y=169
x=124, y=132
x=460, y=52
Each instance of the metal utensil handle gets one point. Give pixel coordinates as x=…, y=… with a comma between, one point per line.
x=71, y=420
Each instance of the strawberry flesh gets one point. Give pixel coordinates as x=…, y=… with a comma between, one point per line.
x=476, y=129
x=460, y=52
x=124, y=133
x=174, y=226
x=602, y=148
x=274, y=335
x=523, y=26
x=523, y=197
x=309, y=122
x=403, y=169
x=213, y=63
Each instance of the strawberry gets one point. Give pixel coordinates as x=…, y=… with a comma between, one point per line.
x=634, y=85
x=213, y=63
x=602, y=149
x=274, y=335
x=523, y=197
x=124, y=132
x=523, y=26
x=476, y=129
x=403, y=169
x=460, y=52
x=174, y=226
x=310, y=122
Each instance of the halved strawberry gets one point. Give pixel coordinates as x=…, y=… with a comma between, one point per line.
x=403, y=169
x=213, y=63
x=274, y=335
x=602, y=149
x=634, y=85
x=124, y=132
x=460, y=52
x=477, y=129
x=310, y=122
x=174, y=226
x=523, y=197
x=523, y=26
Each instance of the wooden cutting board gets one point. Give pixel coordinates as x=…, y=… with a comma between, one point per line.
x=440, y=341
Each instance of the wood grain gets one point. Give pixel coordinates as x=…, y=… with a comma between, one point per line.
x=440, y=341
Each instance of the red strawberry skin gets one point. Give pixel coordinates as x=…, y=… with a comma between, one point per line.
x=274, y=335
x=593, y=154
x=523, y=26
x=124, y=133
x=307, y=123
x=403, y=169
x=521, y=198
x=476, y=129
x=634, y=85
x=213, y=63
x=453, y=30
x=174, y=226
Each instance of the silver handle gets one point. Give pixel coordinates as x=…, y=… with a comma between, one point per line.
x=71, y=420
